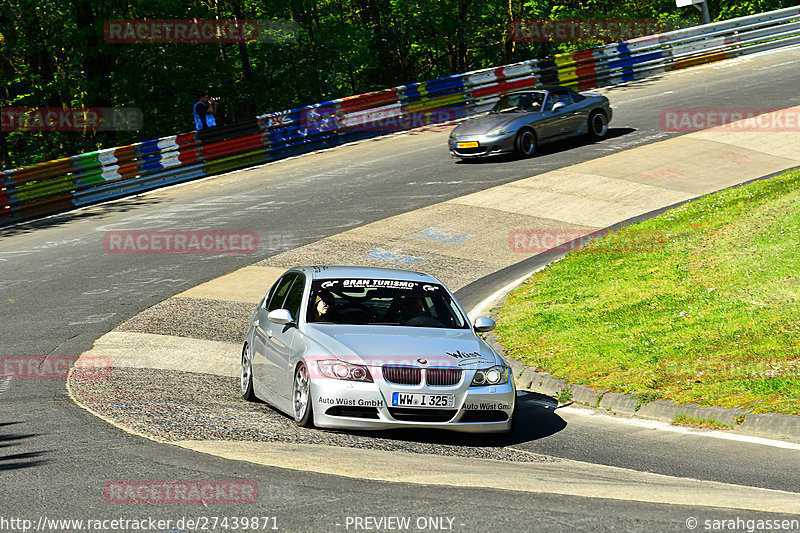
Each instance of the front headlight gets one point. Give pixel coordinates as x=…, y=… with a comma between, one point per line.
x=335, y=369
x=496, y=375
x=453, y=135
x=497, y=132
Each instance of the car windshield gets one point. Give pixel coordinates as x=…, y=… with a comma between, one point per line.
x=364, y=301
x=520, y=102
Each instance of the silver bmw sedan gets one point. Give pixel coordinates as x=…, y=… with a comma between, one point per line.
x=374, y=348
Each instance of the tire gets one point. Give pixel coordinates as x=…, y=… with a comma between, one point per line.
x=514, y=418
x=598, y=125
x=301, y=398
x=246, y=376
x=525, y=143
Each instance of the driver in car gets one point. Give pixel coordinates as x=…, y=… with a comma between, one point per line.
x=411, y=307
x=324, y=307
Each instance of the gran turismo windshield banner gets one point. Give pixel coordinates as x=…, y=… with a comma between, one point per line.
x=368, y=283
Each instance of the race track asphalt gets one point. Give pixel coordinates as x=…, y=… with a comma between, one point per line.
x=61, y=291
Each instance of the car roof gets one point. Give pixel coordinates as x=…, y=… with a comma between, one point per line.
x=345, y=271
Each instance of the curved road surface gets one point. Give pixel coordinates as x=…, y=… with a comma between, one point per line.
x=61, y=291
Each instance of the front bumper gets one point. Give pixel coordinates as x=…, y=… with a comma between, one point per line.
x=367, y=406
x=486, y=145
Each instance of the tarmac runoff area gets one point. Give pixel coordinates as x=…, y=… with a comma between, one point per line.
x=162, y=358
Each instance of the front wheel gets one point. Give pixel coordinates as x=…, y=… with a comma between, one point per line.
x=598, y=125
x=525, y=143
x=514, y=418
x=301, y=398
x=246, y=376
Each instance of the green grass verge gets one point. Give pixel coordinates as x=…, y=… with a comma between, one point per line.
x=701, y=304
x=684, y=420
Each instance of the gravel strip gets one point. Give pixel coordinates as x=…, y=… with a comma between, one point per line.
x=213, y=320
x=173, y=406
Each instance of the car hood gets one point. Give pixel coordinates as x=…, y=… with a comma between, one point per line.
x=380, y=345
x=486, y=123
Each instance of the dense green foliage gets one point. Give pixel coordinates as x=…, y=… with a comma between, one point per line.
x=54, y=54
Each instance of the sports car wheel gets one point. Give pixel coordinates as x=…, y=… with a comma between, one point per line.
x=525, y=143
x=598, y=125
x=301, y=401
x=247, y=376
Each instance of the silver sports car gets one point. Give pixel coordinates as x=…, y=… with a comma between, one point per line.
x=522, y=120
x=374, y=348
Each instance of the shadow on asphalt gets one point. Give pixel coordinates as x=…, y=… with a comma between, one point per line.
x=16, y=461
x=119, y=206
x=548, y=148
x=536, y=419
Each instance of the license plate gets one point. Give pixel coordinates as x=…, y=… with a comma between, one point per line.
x=403, y=399
x=468, y=144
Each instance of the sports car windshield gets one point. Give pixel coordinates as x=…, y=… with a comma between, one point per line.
x=358, y=301
x=522, y=102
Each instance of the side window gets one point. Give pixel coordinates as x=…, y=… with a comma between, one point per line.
x=561, y=96
x=576, y=97
x=557, y=96
x=279, y=294
x=295, y=297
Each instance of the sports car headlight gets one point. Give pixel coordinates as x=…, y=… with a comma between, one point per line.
x=453, y=135
x=497, y=132
x=496, y=375
x=335, y=369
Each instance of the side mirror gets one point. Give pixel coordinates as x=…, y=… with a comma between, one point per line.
x=280, y=316
x=558, y=105
x=483, y=324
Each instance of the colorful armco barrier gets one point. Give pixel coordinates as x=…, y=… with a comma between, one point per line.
x=63, y=184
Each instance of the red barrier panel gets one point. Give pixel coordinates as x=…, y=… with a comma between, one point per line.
x=125, y=152
x=4, y=205
x=128, y=169
x=48, y=169
x=233, y=146
x=369, y=100
x=587, y=77
x=504, y=87
x=186, y=139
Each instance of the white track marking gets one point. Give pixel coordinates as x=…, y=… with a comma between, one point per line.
x=664, y=426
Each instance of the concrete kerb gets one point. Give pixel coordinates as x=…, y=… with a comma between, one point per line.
x=767, y=423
